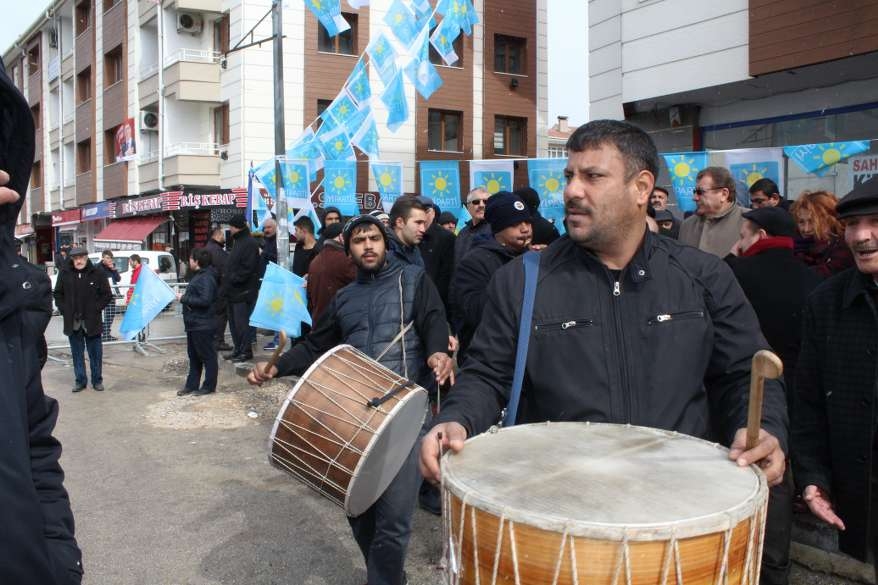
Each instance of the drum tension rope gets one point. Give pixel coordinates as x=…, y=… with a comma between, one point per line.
x=378, y=401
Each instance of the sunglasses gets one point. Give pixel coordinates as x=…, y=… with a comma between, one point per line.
x=699, y=191
x=478, y=202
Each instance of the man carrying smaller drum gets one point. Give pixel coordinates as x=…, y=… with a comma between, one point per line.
x=367, y=315
x=628, y=327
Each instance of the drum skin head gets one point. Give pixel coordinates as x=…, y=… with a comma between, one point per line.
x=604, y=480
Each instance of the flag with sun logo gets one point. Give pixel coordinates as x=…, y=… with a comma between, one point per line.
x=340, y=186
x=294, y=174
x=357, y=84
x=749, y=165
x=683, y=167
x=334, y=143
x=151, y=295
x=383, y=58
x=281, y=304
x=395, y=100
x=493, y=175
x=546, y=177
x=443, y=39
x=402, y=22
x=328, y=12
x=388, y=178
x=440, y=180
x=820, y=158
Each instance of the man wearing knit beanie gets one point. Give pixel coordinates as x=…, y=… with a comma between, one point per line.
x=510, y=221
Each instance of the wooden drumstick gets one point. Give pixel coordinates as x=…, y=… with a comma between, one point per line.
x=281, y=344
x=765, y=364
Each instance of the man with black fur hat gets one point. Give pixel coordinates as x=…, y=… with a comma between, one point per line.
x=510, y=220
x=366, y=314
x=833, y=423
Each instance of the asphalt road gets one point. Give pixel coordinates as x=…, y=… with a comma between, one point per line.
x=169, y=490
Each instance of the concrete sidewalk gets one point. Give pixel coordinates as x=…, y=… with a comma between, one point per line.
x=170, y=490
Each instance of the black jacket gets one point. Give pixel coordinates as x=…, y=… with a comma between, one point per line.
x=241, y=279
x=834, y=416
x=37, y=546
x=468, y=289
x=777, y=285
x=218, y=258
x=544, y=231
x=268, y=254
x=199, y=301
x=398, y=251
x=82, y=295
x=467, y=235
x=667, y=345
x=437, y=250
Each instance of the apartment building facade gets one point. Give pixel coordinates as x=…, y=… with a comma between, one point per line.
x=169, y=75
x=738, y=74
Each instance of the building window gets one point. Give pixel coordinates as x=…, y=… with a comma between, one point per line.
x=36, y=176
x=221, y=124
x=444, y=131
x=33, y=60
x=457, y=45
x=221, y=32
x=83, y=85
x=321, y=107
x=344, y=43
x=83, y=16
x=109, y=4
x=114, y=67
x=509, y=54
x=110, y=146
x=510, y=135
x=35, y=112
x=16, y=76
x=557, y=151
x=83, y=156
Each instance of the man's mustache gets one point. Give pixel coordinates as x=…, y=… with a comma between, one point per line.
x=577, y=207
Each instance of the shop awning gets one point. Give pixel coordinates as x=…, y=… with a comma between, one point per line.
x=132, y=230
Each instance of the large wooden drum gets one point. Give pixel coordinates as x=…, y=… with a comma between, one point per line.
x=347, y=426
x=600, y=504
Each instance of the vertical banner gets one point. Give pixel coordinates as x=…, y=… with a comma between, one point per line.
x=546, y=177
x=749, y=165
x=683, y=167
x=493, y=175
x=297, y=188
x=340, y=186
x=125, y=147
x=388, y=178
x=440, y=180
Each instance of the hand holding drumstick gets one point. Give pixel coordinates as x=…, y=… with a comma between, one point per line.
x=264, y=371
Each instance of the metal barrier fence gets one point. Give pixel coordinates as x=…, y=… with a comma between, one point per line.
x=167, y=326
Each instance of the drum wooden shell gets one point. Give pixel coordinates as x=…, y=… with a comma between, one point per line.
x=494, y=538
x=327, y=436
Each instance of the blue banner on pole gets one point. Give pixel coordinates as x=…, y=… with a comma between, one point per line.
x=683, y=167
x=281, y=304
x=340, y=186
x=151, y=295
x=440, y=180
x=546, y=177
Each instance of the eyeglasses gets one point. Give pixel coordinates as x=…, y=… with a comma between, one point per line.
x=699, y=191
x=478, y=202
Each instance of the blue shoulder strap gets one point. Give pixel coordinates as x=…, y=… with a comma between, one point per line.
x=531, y=272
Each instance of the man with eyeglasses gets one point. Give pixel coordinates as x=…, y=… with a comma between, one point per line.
x=474, y=228
x=716, y=224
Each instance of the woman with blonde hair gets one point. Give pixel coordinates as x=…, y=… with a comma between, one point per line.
x=820, y=244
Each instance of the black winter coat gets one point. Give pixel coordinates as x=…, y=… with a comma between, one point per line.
x=437, y=250
x=544, y=231
x=218, y=258
x=467, y=236
x=241, y=279
x=82, y=294
x=470, y=284
x=833, y=424
x=777, y=285
x=268, y=254
x=199, y=300
x=667, y=345
x=37, y=546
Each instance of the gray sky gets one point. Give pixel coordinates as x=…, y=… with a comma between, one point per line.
x=568, y=51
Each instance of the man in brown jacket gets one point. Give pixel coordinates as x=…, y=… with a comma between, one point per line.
x=331, y=270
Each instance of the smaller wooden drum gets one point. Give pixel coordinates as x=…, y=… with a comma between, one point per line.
x=600, y=504
x=347, y=426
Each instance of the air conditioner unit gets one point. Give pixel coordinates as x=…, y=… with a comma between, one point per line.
x=149, y=121
x=188, y=22
x=53, y=38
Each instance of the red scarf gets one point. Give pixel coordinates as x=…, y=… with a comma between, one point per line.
x=769, y=243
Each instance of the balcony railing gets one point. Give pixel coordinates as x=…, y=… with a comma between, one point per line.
x=193, y=148
x=148, y=157
x=192, y=56
x=148, y=70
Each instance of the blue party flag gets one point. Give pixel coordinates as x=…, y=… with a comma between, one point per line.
x=546, y=177
x=309, y=211
x=308, y=149
x=341, y=108
x=493, y=175
x=335, y=144
x=281, y=304
x=747, y=173
x=328, y=12
x=443, y=39
x=402, y=22
x=421, y=72
x=388, y=178
x=294, y=174
x=819, y=158
x=383, y=57
x=397, y=105
x=151, y=295
x=340, y=186
x=366, y=138
x=683, y=168
x=440, y=180
x=265, y=172
x=357, y=84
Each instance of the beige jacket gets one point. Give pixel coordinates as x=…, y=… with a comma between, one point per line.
x=714, y=235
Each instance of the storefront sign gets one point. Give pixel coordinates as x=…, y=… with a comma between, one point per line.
x=140, y=206
x=67, y=217
x=177, y=200
x=23, y=229
x=863, y=168
x=103, y=210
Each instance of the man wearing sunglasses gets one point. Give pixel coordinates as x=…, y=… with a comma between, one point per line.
x=716, y=224
x=474, y=228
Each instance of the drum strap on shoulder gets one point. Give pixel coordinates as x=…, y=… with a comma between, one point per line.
x=531, y=272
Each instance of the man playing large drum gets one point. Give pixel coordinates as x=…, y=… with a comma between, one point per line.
x=628, y=326
x=392, y=313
